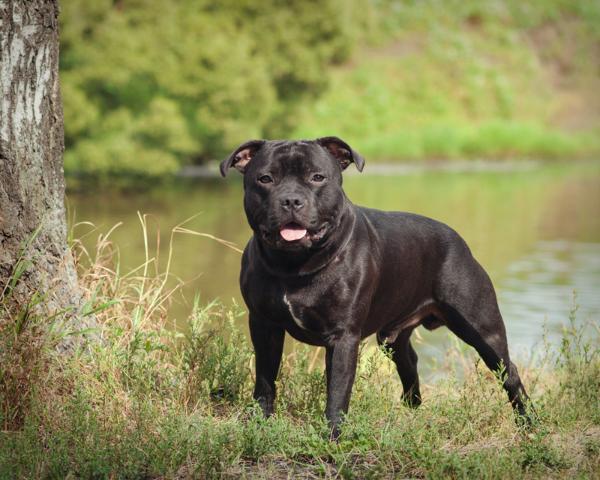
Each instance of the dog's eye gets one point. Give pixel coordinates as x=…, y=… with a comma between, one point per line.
x=317, y=178
x=265, y=179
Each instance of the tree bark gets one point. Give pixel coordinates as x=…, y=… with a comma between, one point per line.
x=32, y=185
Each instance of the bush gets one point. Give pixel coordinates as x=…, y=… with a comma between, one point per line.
x=149, y=85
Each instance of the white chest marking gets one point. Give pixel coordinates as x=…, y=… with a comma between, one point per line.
x=294, y=317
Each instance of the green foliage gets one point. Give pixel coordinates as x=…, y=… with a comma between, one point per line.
x=150, y=85
x=216, y=366
x=470, y=79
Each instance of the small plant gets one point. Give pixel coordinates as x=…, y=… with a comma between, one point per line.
x=149, y=401
x=215, y=355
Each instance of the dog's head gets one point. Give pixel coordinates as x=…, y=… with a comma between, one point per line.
x=293, y=189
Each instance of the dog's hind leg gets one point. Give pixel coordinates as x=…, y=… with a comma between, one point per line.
x=469, y=302
x=405, y=358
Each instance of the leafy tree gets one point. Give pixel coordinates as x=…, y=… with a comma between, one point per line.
x=150, y=85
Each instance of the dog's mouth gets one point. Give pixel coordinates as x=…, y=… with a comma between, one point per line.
x=292, y=232
x=319, y=233
x=295, y=234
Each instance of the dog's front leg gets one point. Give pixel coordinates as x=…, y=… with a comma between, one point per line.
x=341, y=358
x=268, y=347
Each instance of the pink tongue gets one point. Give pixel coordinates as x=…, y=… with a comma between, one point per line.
x=292, y=234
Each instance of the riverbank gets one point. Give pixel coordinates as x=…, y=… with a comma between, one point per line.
x=390, y=168
x=148, y=402
x=494, y=80
x=403, y=81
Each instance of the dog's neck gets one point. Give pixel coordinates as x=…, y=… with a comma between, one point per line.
x=281, y=263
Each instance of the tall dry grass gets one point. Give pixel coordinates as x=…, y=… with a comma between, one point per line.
x=146, y=400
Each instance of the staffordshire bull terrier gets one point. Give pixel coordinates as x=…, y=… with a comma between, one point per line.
x=331, y=273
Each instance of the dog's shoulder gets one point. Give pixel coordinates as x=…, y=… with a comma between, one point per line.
x=383, y=219
x=407, y=226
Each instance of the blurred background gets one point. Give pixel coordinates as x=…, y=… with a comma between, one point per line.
x=482, y=114
x=151, y=86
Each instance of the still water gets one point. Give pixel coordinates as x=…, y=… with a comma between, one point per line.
x=535, y=230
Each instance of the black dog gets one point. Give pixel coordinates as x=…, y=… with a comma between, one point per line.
x=331, y=273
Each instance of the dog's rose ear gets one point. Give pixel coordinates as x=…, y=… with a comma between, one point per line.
x=241, y=156
x=342, y=152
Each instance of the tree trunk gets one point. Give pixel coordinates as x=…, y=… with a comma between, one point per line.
x=32, y=183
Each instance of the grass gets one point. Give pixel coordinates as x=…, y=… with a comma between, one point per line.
x=147, y=401
x=469, y=79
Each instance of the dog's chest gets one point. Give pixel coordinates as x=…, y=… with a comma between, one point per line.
x=296, y=314
x=304, y=313
x=309, y=312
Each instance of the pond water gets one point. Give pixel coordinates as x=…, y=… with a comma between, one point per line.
x=535, y=230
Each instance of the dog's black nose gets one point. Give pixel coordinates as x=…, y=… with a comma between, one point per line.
x=290, y=202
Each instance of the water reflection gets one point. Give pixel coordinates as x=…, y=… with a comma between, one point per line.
x=537, y=233
x=543, y=287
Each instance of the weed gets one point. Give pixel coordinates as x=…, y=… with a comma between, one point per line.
x=150, y=401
